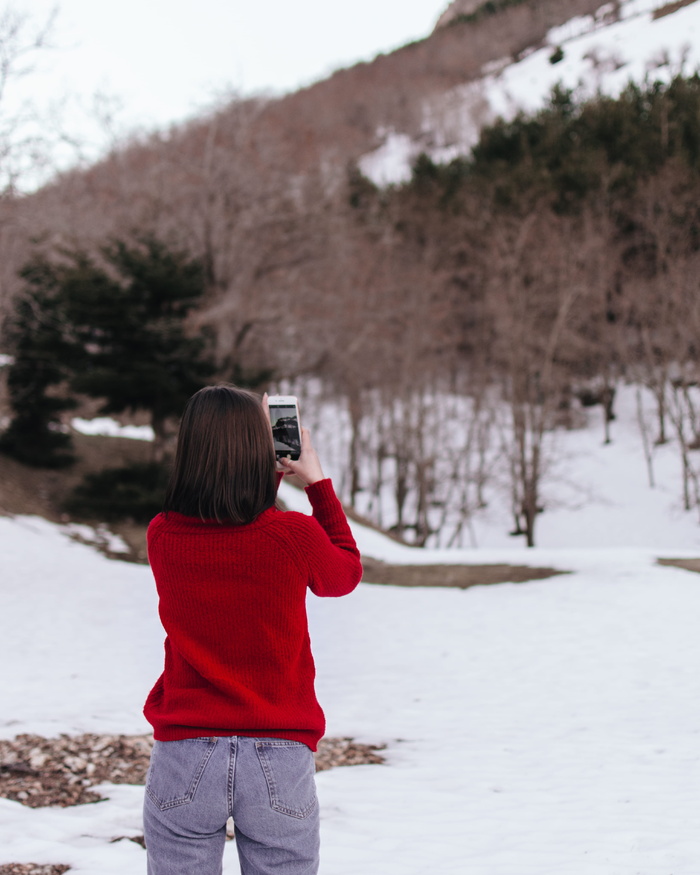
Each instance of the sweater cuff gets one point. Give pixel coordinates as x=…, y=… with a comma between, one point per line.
x=325, y=504
x=320, y=489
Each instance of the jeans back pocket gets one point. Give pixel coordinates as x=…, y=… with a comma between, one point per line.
x=176, y=769
x=289, y=771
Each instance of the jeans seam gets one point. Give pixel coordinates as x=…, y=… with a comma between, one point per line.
x=232, y=757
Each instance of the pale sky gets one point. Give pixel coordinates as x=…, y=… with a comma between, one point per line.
x=167, y=59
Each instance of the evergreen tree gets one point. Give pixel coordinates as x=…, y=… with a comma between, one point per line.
x=36, y=336
x=113, y=329
x=128, y=331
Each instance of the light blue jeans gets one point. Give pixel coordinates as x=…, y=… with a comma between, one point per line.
x=266, y=784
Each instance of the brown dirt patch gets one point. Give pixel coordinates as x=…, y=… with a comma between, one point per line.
x=27, y=490
x=63, y=771
x=670, y=8
x=687, y=564
x=41, y=491
x=459, y=576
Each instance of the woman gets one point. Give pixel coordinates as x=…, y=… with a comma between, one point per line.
x=234, y=714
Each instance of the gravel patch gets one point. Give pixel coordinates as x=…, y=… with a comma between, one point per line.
x=64, y=771
x=32, y=869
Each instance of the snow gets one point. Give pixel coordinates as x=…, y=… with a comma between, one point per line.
x=100, y=536
x=75, y=632
x=598, y=495
x=550, y=726
x=105, y=425
x=391, y=163
x=604, y=59
x=601, y=54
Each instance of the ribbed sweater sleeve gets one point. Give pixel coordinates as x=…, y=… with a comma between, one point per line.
x=323, y=544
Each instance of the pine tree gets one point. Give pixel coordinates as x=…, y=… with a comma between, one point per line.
x=112, y=329
x=36, y=336
x=128, y=325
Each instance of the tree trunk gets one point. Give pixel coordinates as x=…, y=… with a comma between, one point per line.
x=160, y=438
x=355, y=409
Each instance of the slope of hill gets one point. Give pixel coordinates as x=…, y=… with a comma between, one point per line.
x=221, y=184
x=259, y=190
x=598, y=52
x=260, y=148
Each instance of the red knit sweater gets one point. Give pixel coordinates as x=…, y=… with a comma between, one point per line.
x=233, y=604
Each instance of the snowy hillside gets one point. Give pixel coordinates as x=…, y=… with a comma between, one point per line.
x=635, y=40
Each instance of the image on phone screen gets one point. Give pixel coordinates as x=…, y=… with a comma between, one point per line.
x=285, y=430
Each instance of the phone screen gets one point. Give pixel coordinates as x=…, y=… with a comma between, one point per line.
x=285, y=430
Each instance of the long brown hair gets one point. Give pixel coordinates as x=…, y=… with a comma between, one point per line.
x=225, y=462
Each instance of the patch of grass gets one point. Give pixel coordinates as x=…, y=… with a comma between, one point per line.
x=33, y=869
x=27, y=490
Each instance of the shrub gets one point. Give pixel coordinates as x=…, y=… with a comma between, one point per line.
x=132, y=492
x=557, y=55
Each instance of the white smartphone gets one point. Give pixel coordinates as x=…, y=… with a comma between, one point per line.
x=286, y=431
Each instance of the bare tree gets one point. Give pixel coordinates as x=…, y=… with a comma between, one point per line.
x=665, y=310
x=25, y=145
x=540, y=275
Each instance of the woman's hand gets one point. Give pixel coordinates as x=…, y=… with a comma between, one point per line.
x=308, y=467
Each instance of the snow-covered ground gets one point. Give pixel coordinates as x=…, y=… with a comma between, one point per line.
x=545, y=728
x=633, y=41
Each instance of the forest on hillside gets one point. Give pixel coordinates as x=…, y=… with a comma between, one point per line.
x=559, y=259
x=501, y=292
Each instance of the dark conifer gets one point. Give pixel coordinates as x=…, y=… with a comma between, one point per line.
x=36, y=336
x=128, y=321
x=112, y=329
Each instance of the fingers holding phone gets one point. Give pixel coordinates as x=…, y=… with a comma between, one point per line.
x=308, y=466
x=293, y=446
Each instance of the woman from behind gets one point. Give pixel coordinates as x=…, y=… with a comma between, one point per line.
x=234, y=713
